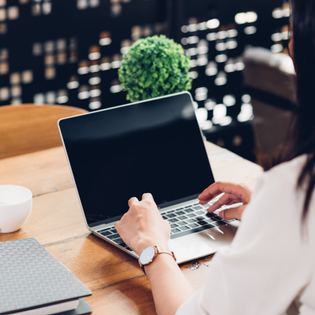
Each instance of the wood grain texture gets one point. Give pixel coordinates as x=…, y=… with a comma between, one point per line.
x=118, y=283
x=42, y=172
x=28, y=128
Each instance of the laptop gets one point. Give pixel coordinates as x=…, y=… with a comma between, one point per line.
x=152, y=146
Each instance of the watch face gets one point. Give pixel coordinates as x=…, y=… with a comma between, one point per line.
x=147, y=255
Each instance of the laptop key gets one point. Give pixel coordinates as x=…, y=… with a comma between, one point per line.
x=182, y=223
x=200, y=218
x=106, y=233
x=182, y=217
x=204, y=206
x=164, y=217
x=191, y=215
x=193, y=225
x=200, y=212
x=174, y=225
x=118, y=240
x=173, y=220
x=180, y=212
x=184, y=228
x=191, y=220
x=202, y=222
x=176, y=230
x=197, y=207
x=113, y=236
x=189, y=210
x=103, y=230
x=171, y=215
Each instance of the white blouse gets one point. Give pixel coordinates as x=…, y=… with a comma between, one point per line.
x=270, y=260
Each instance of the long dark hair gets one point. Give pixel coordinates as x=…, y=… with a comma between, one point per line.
x=301, y=136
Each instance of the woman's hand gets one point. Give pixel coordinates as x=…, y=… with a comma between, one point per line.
x=233, y=193
x=143, y=225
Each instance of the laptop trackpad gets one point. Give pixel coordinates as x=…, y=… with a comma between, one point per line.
x=202, y=244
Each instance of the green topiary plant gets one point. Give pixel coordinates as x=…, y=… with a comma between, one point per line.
x=154, y=66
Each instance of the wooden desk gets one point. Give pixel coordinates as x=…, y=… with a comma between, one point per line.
x=118, y=284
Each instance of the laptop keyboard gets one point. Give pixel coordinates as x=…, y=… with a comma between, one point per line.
x=183, y=221
x=112, y=234
x=191, y=219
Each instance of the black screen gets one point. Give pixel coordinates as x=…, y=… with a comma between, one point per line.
x=153, y=146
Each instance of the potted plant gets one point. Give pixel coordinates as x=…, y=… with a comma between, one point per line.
x=154, y=66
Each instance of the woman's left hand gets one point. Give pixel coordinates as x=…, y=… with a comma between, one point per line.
x=143, y=225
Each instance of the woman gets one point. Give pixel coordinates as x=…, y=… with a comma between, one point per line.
x=272, y=257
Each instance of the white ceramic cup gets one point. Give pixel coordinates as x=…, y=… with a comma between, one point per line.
x=15, y=207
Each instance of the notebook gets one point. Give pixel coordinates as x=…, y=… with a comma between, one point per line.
x=34, y=282
x=151, y=146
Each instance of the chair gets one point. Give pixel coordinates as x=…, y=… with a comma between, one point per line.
x=269, y=78
x=28, y=128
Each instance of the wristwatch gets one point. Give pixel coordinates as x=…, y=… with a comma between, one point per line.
x=149, y=254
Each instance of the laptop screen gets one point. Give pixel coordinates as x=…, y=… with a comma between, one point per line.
x=153, y=146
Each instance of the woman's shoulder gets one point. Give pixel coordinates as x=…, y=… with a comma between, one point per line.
x=277, y=203
x=276, y=193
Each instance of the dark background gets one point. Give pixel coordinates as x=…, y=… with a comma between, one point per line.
x=44, y=43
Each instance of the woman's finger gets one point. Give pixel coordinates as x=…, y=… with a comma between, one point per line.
x=232, y=202
x=132, y=201
x=240, y=191
x=209, y=193
x=216, y=189
x=147, y=196
x=233, y=213
x=226, y=199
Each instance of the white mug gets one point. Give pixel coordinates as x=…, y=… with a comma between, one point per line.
x=15, y=207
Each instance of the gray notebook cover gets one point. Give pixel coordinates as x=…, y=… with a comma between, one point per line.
x=30, y=277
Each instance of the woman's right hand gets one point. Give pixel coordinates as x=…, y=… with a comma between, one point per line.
x=233, y=193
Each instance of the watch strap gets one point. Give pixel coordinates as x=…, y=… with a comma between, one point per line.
x=157, y=253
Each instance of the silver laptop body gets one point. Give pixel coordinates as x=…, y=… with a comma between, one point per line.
x=151, y=146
